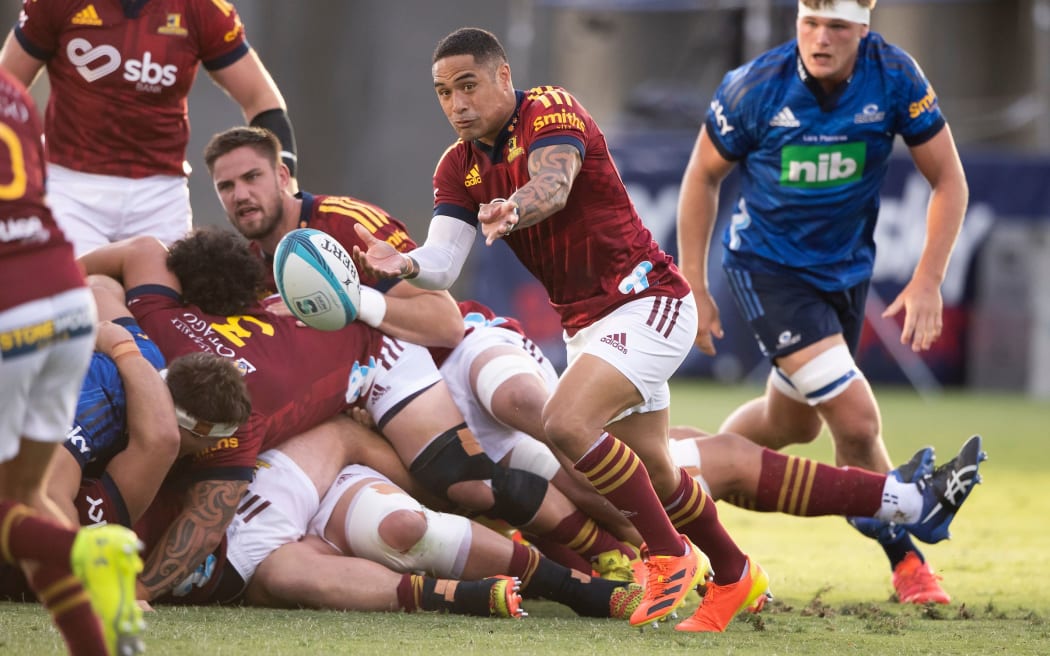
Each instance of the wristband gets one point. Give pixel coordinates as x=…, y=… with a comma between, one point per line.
x=413, y=268
x=127, y=347
x=372, y=308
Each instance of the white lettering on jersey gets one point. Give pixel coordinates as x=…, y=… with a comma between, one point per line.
x=147, y=72
x=95, y=62
x=95, y=513
x=78, y=440
x=30, y=229
x=724, y=127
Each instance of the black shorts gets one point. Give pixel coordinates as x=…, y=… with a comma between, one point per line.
x=787, y=314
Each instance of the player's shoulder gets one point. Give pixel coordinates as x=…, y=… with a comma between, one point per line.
x=763, y=75
x=53, y=9
x=892, y=60
x=547, y=99
x=455, y=155
x=211, y=8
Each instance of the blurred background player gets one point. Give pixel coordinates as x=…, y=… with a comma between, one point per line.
x=812, y=123
x=117, y=124
x=533, y=168
x=47, y=328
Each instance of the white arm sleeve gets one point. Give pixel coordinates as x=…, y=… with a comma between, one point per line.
x=441, y=257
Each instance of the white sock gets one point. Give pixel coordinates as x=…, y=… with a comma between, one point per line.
x=901, y=502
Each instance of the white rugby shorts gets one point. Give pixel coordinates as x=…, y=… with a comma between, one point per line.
x=94, y=210
x=45, y=350
x=496, y=438
x=275, y=511
x=646, y=340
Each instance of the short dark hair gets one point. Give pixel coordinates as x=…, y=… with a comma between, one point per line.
x=217, y=271
x=262, y=140
x=481, y=44
x=209, y=387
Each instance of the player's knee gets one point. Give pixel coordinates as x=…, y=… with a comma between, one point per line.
x=402, y=529
x=518, y=495
x=566, y=428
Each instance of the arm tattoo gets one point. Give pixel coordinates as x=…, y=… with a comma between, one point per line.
x=553, y=170
x=195, y=533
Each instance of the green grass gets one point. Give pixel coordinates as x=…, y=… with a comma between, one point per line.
x=832, y=587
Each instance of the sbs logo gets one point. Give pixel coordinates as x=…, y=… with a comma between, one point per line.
x=815, y=167
x=96, y=62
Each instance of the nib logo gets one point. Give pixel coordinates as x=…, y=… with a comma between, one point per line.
x=616, y=340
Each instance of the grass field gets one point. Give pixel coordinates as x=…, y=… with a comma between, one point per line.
x=831, y=586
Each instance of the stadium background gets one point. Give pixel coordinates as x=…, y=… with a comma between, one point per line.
x=356, y=76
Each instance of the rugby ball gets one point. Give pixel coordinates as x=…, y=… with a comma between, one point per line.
x=317, y=279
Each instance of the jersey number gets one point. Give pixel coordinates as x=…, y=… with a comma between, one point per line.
x=17, y=187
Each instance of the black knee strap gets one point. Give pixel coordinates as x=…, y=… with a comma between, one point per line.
x=445, y=462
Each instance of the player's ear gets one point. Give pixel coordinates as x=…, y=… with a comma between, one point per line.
x=503, y=75
x=284, y=176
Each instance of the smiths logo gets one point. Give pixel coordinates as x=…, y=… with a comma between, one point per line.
x=173, y=26
x=473, y=178
x=928, y=102
x=87, y=16
x=514, y=151
x=563, y=119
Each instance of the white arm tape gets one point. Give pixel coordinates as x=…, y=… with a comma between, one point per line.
x=441, y=257
x=372, y=308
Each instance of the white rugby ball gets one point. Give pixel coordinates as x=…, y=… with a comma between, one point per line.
x=317, y=279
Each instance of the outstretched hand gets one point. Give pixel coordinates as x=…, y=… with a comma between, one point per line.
x=497, y=219
x=923, y=309
x=380, y=260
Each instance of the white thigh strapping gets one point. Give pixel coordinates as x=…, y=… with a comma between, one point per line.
x=275, y=511
x=442, y=551
x=496, y=438
x=821, y=379
x=42, y=369
x=645, y=340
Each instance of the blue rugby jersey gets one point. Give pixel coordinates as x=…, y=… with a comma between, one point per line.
x=811, y=162
x=100, y=425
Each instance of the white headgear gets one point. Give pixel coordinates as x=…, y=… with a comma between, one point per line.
x=849, y=10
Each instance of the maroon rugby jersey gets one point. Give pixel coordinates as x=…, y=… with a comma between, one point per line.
x=35, y=259
x=297, y=377
x=337, y=215
x=120, y=73
x=592, y=256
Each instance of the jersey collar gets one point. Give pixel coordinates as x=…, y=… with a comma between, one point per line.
x=306, y=209
x=495, y=152
x=825, y=99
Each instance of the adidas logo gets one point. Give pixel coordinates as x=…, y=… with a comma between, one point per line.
x=785, y=118
x=87, y=16
x=473, y=178
x=616, y=340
